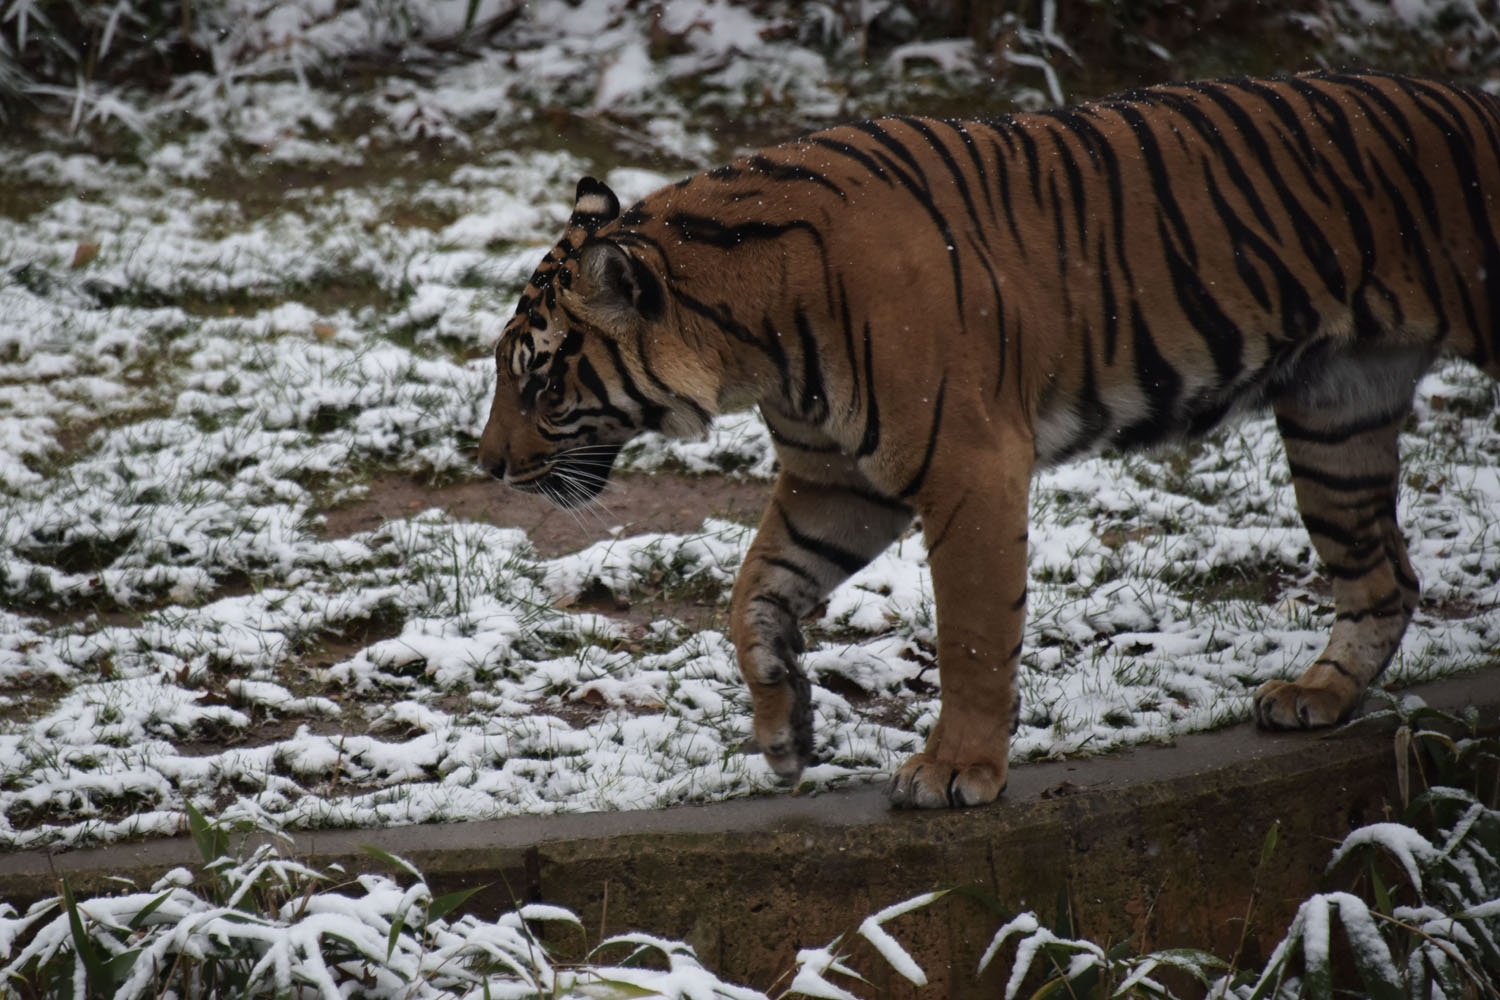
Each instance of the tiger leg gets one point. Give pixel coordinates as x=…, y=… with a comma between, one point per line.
x=813, y=536
x=976, y=538
x=1346, y=474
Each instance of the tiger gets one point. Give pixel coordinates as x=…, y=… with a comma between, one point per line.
x=927, y=311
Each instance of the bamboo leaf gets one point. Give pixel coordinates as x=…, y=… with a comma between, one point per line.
x=398, y=922
x=613, y=989
x=386, y=857
x=1378, y=887
x=212, y=841
x=1268, y=846
x=146, y=911
x=93, y=965
x=446, y=904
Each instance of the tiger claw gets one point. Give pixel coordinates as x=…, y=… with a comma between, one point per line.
x=1285, y=705
x=925, y=782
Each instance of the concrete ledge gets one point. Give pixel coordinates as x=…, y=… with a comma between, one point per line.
x=1160, y=844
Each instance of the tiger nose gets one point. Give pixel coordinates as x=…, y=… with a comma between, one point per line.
x=495, y=467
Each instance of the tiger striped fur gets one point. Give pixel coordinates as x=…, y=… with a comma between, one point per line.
x=925, y=311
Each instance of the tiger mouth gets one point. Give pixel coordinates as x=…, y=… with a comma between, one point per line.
x=574, y=477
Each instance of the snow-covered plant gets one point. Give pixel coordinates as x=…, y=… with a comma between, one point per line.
x=1069, y=966
x=1420, y=918
x=1426, y=921
x=263, y=925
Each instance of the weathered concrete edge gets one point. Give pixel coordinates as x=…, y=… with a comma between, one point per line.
x=1038, y=794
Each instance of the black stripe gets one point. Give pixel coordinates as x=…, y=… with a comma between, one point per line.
x=781, y=439
x=778, y=602
x=1306, y=155
x=981, y=253
x=843, y=558
x=1335, y=664
x=871, y=438
x=1343, y=484
x=763, y=164
x=1159, y=383
x=1461, y=161
x=961, y=129
x=937, y=538
x=1220, y=335
x=1349, y=537
x=694, y=228
x=1033, y=163
x=1161, y=180
x=960, y=182
x=932, y=437
x=1002, y=177
x=1399, y=141
x=1060, y=238
x=771, y=340
x=1293, y=431
x=1389, y=606
x=594, y=384
x=652, y=412
x=1309, y=233
x=804, y=574
x=918, y=187
x=852, y=152
x=1335, y=126
x=1298, y=317
x=1076, y=191
x=1356, y=571
x=1209, y=131
x=814, y=405
x=846, y=325
x=1110, y=309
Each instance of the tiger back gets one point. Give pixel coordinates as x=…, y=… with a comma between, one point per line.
x=926, y=311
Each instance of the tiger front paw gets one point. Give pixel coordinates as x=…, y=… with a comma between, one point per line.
x=929, y=782
x=1288, y=705
x=783, y=728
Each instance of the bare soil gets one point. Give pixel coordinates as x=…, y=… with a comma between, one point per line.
x=638, y=503
x=634, y=504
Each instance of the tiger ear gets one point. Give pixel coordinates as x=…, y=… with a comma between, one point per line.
x=616, y=286
x=594, y=204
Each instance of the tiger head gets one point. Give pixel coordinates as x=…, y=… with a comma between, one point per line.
x=592, y=357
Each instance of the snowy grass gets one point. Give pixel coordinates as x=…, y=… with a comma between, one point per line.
x=284, y=292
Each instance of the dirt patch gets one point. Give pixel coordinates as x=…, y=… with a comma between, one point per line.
x=636, y=502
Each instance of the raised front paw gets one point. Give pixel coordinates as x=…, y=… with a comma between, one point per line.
x=928, y=782
x=784, y=723
x=1288, y=705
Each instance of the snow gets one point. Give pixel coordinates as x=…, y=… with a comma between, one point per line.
x=1412, y=851
x=178, y=411
x=897, y=957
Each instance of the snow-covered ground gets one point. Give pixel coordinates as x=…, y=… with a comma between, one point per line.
x=205, y=346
